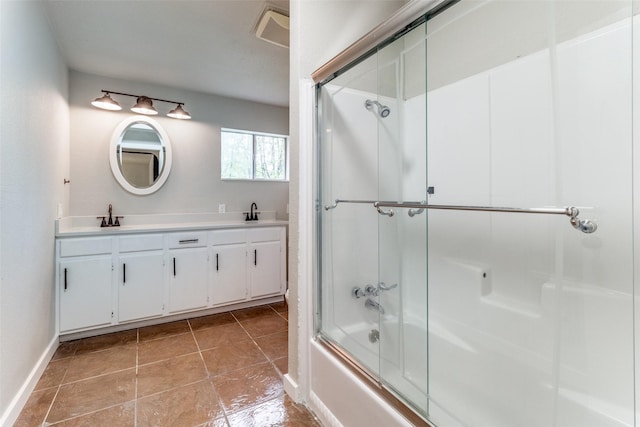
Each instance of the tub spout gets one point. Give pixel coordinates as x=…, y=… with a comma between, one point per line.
x=373, y=305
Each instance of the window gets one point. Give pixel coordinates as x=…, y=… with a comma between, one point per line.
x=252, y=155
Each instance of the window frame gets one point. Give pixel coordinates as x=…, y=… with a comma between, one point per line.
x=255, y=134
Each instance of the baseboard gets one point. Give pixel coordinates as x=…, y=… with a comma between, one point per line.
x=70, y=336
x=20, y=399
x=291, y=388
x=322, y=412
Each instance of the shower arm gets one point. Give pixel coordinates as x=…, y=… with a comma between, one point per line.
x=584, y=225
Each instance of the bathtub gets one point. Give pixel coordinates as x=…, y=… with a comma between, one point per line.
x=458, y=376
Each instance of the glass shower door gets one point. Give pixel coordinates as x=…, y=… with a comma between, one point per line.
x=349, y=242
x=402, y=246
x=530, y=320
x=486, y=317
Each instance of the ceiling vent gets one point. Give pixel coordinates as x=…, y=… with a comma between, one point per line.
x=273, y=27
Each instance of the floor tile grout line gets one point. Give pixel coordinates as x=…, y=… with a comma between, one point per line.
x=262, y=336
x=252, y=339
x=93, y=377
x=260, y=348
x=166, y=336
x=173, y=388
x=199, y=350
x=168, y=358
x=135, y=403
x=209, y=376
x=44, y=421
x=88, y=413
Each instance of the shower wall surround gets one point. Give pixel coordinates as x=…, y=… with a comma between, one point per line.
x=498, y=319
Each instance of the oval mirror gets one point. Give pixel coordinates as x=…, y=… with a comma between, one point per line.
x=140, y=155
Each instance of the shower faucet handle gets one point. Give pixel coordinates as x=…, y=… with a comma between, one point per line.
x=384, y=287
x=371, y=290
x=357, y=292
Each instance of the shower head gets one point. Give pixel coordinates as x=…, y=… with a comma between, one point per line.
x=383, y=110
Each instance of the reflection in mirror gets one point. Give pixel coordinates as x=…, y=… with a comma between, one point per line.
x=140, y=155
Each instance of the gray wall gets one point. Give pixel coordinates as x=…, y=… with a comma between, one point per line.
x=34, y=135
x=194, y=184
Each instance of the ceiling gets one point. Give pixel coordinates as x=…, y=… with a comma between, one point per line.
x=206, y=46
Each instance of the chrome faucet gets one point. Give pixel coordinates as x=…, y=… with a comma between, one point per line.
x=373, y=305
x=371, y=290
x=252, y=215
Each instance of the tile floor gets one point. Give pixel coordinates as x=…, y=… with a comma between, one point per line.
x=218, y=370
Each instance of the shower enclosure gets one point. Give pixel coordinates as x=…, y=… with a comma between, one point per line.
x=476, y=214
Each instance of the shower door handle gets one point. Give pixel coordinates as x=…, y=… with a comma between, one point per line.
x=388, y=213
x=413, y=212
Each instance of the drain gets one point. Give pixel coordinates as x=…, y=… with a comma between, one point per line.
x=374, y=336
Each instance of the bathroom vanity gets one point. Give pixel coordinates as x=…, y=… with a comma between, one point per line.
x=160, y=268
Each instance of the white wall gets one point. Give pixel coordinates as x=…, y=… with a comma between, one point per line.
x=194, y=184
x=319, y=31
x=636, y=200
x=33, y=163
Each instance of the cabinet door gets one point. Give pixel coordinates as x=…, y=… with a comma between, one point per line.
x=188, y=279
x=265, y=269
x=85, y=286
x=229, y=273
x=140, y=285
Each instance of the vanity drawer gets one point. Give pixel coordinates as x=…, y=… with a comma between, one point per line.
x=266, y=234
x=143, y=242
x=86, y=246
x=187, y=240
x=227, y=237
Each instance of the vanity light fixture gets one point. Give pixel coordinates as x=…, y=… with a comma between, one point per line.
x=144, y=105
x=106, y=103
x=179, y=113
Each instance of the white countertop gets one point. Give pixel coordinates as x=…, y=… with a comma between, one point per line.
x=76, y=226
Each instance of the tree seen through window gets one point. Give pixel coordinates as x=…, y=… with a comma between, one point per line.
x=255, y=156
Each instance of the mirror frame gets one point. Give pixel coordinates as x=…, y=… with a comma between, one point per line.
x=113, y=155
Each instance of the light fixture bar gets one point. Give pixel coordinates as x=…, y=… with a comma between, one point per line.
x=138, y=96
x=176, y=113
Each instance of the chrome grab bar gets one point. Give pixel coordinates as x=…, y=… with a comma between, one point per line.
x=584, y=225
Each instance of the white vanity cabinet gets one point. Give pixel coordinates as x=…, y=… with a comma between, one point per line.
x=110, y=278
x=188, y=271
x=266, y=261
x=85, y=291
x=140, y=277
x=228, y=266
